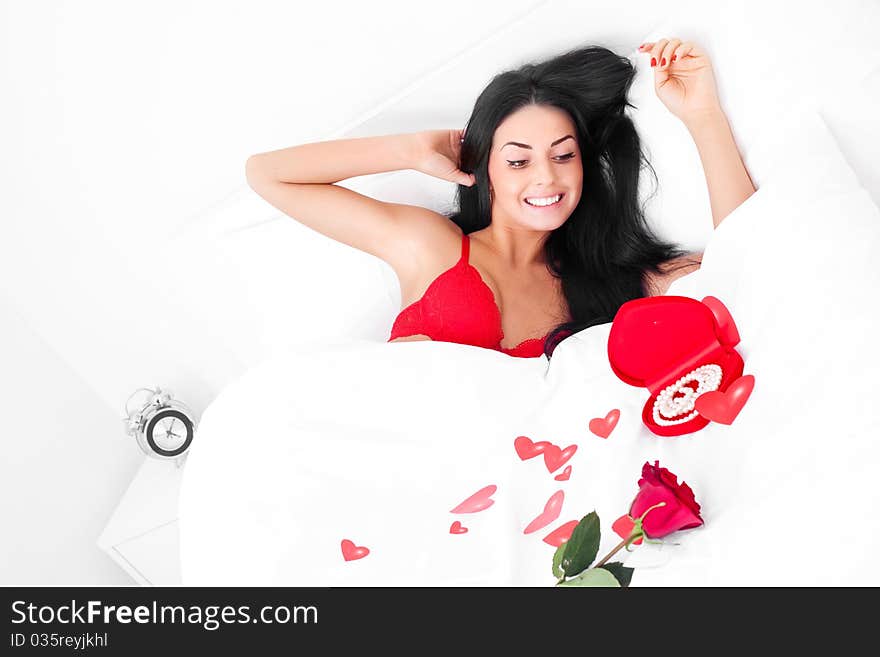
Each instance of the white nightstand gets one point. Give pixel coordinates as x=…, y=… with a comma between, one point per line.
x=142, y=535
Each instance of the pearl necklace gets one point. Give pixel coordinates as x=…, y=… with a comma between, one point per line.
x=667, y=406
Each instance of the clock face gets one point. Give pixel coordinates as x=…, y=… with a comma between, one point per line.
x=169, y=433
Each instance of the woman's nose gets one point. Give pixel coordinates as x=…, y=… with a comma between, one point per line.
x=544, y=173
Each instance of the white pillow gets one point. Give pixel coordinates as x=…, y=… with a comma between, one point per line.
x=805, y=171
x=852, y=119
x=763, y=68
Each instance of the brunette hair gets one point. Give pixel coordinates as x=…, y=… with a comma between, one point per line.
x=605, y=246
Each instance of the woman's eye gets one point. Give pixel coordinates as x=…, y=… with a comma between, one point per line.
x=518, y=164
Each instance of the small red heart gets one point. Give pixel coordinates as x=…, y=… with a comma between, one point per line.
x=623, y=527
x=526, y=449
x=564, y=475
x=350, y=551
x=480, y=500
x=457, y=528
x=603, y=426
x=549, y=514
x=724, y=406
x=555, y=458
x=561, y=534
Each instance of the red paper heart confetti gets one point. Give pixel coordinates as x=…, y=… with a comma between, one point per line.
x=561, y=534
x=457, y=528
x=548, y=515
x=555, y=458
x=564, y=475
x=724, y=406
x=480, y=500
x=350, y=551
x=526, y=449
x=603, y=426
x=623, y=527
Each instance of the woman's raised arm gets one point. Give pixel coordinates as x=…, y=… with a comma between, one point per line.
x=300, y=181
x=328, y=162
x=726, y=176
x=685, y=83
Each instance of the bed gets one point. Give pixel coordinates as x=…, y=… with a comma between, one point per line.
x=347, y=460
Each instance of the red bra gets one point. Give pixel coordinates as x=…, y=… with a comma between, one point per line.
x=459, y=307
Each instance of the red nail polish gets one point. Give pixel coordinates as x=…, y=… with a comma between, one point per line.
x=674, y=57
x=653, y=61
x=663, y=62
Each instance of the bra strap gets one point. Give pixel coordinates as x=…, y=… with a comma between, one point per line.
x=465, y=246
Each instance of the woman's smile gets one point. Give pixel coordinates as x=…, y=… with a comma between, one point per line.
x=544, y=203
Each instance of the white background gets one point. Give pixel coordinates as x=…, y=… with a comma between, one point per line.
x=123, y=124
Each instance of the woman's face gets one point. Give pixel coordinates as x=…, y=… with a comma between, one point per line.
x=534, y=156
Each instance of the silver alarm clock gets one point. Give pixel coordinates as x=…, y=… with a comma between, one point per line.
x=162, y=426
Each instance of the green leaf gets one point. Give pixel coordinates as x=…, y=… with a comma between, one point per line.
x=593, y=577
x=582, y=546
x=557, y=560
x=621, y=573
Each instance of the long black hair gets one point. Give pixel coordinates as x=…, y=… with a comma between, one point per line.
x=605, y=246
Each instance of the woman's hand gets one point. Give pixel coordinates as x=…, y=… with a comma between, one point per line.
x=440, y=156
x=683, y=78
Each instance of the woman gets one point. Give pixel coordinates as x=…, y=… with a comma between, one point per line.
x=549, y=237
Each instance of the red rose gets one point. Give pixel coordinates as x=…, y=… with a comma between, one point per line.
x=680, y=510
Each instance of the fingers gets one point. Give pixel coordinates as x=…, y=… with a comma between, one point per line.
x=658, y=60
x=665, y=58
x=668, y=52
x=688, y=48
x=653, y=50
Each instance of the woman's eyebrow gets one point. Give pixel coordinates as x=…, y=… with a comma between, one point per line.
x=516, y=143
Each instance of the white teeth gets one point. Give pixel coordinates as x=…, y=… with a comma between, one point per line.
x=540, y=202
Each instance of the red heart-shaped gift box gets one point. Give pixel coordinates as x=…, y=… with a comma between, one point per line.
x=656, y=341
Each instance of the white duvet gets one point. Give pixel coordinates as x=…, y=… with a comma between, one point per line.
x=377, y=443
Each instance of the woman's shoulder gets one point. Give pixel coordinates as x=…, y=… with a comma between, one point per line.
x=425, y=236
x=425, y=229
